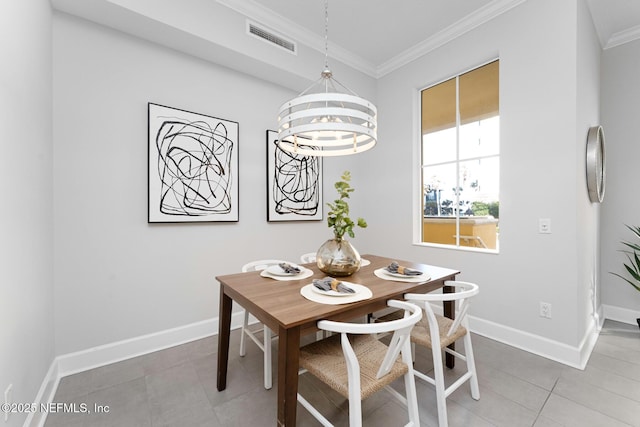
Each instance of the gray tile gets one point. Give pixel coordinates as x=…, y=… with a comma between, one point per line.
x=202, y=347
x=457, y=414
x=519, y=363
x=164, y=359
x=616, y=352
x=622, y=338
x=494, y=407
x=120, y=405
x=255, y=408
x=123, y=405
x=615, y=366
x=614, y=383
x=392, y=413
x=76, y=385
x=570, y=414
x=598, y=399
x=241, y=378
x=62, y=419
x=510, y=387
x=177, y=398
x=621, y=333
x=546, y=422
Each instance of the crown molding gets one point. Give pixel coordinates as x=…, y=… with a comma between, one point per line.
x=466, y=24
x=623, y=37
x=262, y=14
x=290, y=29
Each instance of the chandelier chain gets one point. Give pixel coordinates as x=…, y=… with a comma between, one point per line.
x=326, y=34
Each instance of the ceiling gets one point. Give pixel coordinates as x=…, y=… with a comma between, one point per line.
x=378, y=31
x=373, y=32
x=372, y=36
x=616, y=21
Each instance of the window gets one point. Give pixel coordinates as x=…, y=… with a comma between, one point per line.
x=460, y=160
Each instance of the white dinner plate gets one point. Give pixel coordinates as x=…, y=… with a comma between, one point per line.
x=404, y=276
x=333, y=293
x=276, y=270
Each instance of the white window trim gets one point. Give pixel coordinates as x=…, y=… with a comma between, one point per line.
x=416, y=186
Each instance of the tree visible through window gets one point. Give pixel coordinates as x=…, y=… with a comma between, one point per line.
x=461, y=159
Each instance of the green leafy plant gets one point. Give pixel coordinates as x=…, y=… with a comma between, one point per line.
x=338, y=216
x=633, y=256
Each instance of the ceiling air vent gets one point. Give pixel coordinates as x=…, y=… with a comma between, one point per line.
x=270, y=37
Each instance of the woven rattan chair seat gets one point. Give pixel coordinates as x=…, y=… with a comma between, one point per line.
x=325, y=359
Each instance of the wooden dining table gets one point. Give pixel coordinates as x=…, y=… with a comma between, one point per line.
x=281, y=307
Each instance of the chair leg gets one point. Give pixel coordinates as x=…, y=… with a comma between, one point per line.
x=355, y=412
x=245, y=323
x=353, y=374
x=412, y=397
x=441, y=398
x=471, y=367
x=267, y=358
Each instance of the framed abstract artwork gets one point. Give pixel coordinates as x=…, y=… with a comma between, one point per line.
x=193, y=166
x=294, y=184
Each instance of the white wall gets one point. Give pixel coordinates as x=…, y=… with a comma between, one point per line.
x=217, y=33
x=116, y=276
x=587, y=213
x=26, y=230
x=620, y=113
x=539, y=168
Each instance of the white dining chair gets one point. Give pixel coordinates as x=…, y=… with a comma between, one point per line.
x=267, y=334
x=358, y=365
x=308, y=257
x=437, y=332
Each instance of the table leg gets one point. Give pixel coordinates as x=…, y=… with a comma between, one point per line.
x=449, y=308
x=288, y=364
x=224, y=330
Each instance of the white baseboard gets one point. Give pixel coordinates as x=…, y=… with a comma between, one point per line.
x=95, y=357
x=620, y=314
x=45, y=395
x=121, y=350
x=575, y=356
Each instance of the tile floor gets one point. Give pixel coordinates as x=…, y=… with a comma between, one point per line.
x=177, y=387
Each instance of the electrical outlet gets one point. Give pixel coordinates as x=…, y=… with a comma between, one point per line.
x=8, y=400
x=545, y=310
x=544, y=226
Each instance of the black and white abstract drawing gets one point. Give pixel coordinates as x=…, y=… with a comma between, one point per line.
x=193, y=166
x=294, y=184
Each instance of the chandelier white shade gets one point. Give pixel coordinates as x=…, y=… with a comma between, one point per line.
x=327, y=119
x=327, y=123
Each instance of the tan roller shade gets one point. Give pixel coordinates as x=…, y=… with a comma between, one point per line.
x=479, y=99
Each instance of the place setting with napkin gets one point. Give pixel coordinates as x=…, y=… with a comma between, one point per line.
x=400, y=273
x=330, y=290
x=286, y=271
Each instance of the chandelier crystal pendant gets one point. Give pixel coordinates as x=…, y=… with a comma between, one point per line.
x=327, y=119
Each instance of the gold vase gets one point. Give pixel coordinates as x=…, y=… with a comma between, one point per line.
x=337, y=257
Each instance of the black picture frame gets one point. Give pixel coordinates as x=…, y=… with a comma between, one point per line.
x=294, y=184
x=192, y=167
